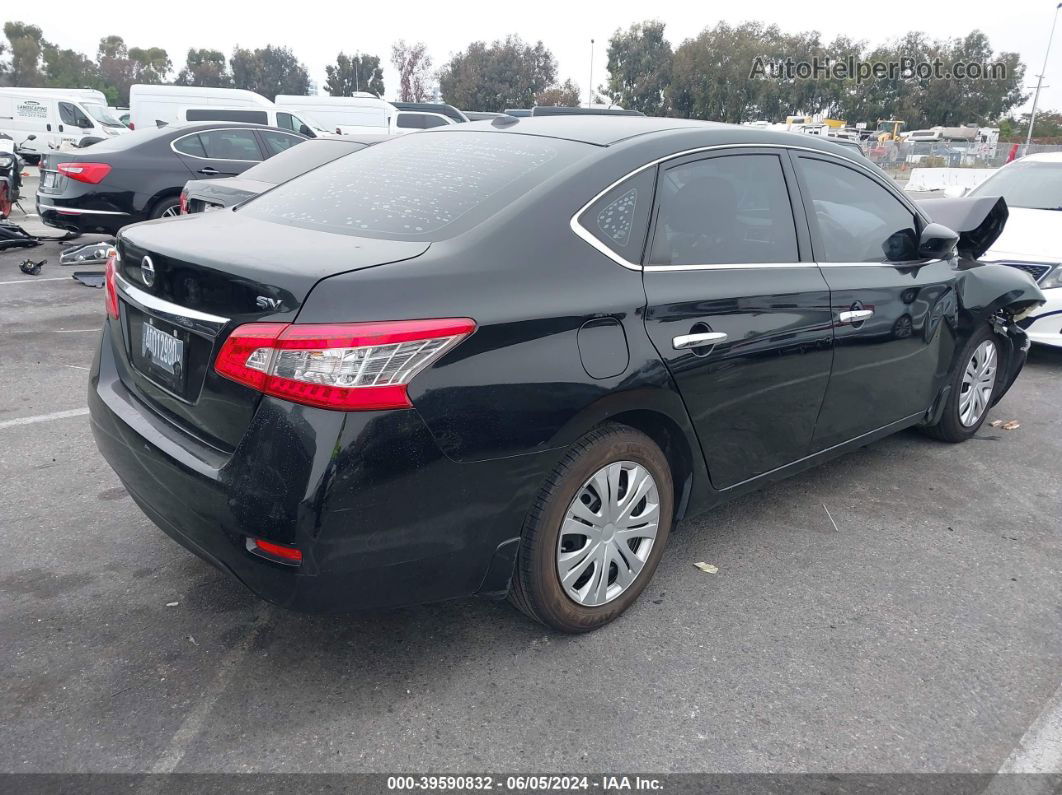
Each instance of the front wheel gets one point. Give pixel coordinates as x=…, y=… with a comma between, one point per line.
x=596, y=532
x=973, y=387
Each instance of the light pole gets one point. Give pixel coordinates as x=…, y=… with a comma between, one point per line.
x=590, y=90
x=1040, y=81
x=357, y=68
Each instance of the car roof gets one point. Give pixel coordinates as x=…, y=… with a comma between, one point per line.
x=1042, y=157
x=607, y=131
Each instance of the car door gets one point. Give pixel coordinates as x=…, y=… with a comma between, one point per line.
x=892, y=339
x=737, y=309
x=222, y=152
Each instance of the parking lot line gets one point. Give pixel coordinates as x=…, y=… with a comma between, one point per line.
x=1040, y=749
x=55, y=415
x=46, y=279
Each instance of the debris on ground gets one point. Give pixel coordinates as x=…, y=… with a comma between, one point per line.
x=90, y=278
x=14, y=236
x=172, y=604
x=707, y=568
x=31, y=268
x=91, y=254
x=1006, y=425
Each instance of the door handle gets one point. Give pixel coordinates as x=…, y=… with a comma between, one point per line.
x=698, y=340
x=209, y=171
x=855, y=315
x=60, y=128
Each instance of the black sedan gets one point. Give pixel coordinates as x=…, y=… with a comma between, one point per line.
x=200, y=195
x=504, y=359
x=139, y=175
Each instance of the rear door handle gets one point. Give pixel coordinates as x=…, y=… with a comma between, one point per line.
x=855, y=315
x=209, y=171
x=698, y=340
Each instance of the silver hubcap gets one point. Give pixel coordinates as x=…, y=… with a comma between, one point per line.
x=977, y=384
x=170, y=212
x=608, y=533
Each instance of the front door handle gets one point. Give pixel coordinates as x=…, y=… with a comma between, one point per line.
x=698, y=340
x=209, y=171
x=855, y=315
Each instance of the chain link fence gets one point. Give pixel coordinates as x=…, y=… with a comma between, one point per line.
x=898, y=158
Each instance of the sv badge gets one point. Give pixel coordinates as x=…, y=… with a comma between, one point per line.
x=265, y=302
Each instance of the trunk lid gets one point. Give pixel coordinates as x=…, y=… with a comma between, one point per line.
x=185, y=283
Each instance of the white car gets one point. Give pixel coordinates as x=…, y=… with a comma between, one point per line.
x=1032, y=238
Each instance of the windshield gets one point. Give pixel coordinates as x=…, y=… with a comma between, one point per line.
x=1029, y=184
x=427, y=186
x=103, y=115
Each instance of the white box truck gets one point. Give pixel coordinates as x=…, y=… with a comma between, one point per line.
x=55, y=116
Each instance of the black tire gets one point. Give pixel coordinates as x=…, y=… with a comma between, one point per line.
x=950, y=428
x=162, y=205
x=536, y=588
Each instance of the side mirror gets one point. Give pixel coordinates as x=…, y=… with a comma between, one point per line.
x=937, y=242
x=31, y=137
x=955, y=191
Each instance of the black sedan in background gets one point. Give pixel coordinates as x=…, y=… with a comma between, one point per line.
x=212, y=194
x=503, y=359
x=138, y=176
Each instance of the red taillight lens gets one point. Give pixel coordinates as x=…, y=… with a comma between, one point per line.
x=283, y=553
x=109, y=284
x=92, y=173
x=348, y=367
x=184, y=202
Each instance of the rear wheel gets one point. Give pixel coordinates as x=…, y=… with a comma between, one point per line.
x=166, y=208
x=596, y=532
x=973, y=387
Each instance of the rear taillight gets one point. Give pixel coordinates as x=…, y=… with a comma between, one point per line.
x=109, y=283
x=92, y=173
x=278, y=552
x=348, y=367
x=184, y=202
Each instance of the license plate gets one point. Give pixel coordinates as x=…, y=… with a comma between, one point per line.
x=49, y=179
x=162, y=350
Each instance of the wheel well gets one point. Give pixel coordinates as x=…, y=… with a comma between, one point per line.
x=669, y=437
x=167, y=194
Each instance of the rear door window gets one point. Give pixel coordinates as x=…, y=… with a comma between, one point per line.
x=434, y=121
x=230, y=145
x=727, y=210
x=410, y=121
x=277, y=142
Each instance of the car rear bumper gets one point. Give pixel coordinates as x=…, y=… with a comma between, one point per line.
x=65, y=215
x=382, y=517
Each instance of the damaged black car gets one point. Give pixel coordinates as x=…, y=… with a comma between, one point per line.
x=505, y=358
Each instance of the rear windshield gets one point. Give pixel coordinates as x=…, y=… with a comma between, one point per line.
x=300, y=159
x=423, y=186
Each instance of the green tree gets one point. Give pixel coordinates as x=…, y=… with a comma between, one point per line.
x=204, y=67
x=564, y=95
x=505, y=74
x=70, y=69
x=26, y=45
x=269, y=71
x=354, y=73
x=121, y=66
x=150, y=64
x=414, y=70
x=639, y=68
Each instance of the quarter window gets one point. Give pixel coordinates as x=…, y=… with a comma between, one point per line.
x=230, y=145
x=724, y=210
x=858, y=220
x=620, y=218
x=190, y=145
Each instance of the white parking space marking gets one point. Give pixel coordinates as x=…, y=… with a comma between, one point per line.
x=47, y=279
x=72, y=330
x=1040, y=749
x=56, y=415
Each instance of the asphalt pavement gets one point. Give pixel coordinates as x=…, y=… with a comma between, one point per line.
x=897, y=610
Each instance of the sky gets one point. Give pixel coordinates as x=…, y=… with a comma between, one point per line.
x=321, y=29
